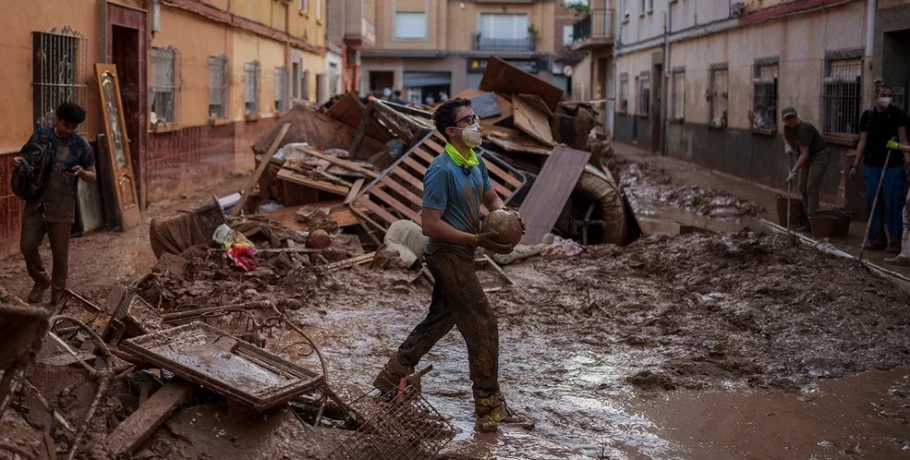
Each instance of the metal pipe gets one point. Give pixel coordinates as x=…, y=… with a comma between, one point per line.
x=870, y=27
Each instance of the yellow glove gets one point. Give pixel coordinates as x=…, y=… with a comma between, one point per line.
x=893, y=145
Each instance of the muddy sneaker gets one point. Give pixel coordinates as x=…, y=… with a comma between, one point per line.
x=391, y=374
x=492, y=412
x=37, y=293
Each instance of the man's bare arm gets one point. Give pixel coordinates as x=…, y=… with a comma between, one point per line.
x=436, y=228
x=492, y=201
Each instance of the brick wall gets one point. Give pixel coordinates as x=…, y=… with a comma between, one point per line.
x=188, y=159
x=10, y=210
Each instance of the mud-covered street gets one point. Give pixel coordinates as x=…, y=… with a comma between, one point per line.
x=735, y=345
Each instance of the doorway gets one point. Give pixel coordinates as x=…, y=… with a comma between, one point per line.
x=380, y=81
x=126, y=48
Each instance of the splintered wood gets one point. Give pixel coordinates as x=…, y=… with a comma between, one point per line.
x=398, y=192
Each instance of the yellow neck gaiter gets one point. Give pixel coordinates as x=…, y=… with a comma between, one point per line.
x=460, y=160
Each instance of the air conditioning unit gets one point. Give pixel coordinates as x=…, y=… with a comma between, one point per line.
x=737, y=9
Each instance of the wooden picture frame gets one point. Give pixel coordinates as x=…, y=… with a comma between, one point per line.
x=118, y=150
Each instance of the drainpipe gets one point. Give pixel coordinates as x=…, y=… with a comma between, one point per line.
x=870, y=27
x=665, y=89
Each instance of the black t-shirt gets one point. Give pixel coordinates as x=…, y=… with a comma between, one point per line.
x=881, y=127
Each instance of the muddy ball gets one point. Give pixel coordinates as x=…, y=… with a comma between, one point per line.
x=318, y=239
x=506, y=224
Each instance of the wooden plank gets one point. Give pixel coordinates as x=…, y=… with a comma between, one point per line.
x=350, y=111
x=400, y=172
x=485, y=105
x=351, y=262
x=500, y=189
x=339, y=162
x=424, y=155
x=397, y=205
x=139, y=426
x=502, y=77
x=550, y=191
x=401, y=190
x=291, y=176
x=355, y=189
x=413, y=164
x=264, y=163
x=376, y=209
x=502, y=174
x=434, y=146
x=537, y=102
x=340, y=213
x=532, y=121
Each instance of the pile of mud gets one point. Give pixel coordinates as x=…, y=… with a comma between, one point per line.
x=707, y=311
x=646, y=181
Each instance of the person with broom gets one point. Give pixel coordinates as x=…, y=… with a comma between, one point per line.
x=877, y=127
x=814, y=156
x=903, y=258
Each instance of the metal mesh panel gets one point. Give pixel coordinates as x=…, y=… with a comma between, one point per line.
x=218, y=86
x=405, y=428
x=764, y=96
x=165, y=98
x=58, y=72
x=251, y=88
x=842, y=96
x=718, y=96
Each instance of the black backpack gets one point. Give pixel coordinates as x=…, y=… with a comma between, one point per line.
x=29, y=179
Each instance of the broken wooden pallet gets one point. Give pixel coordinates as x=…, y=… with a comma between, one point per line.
x=398, y=192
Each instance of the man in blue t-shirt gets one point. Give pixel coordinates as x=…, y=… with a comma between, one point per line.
x=454, y=187
x=55, y=214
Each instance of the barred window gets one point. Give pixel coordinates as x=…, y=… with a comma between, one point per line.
x=842, y=96
x=218, y=86
x=281, y=103
x=644, y=93
x=251, y=88
x=624, y=93
x=718, y=96
x=764, y=96
x=678, y=95
x=58, y=73
x=164, y=89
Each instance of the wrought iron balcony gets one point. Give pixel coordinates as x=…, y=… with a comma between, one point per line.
x=594, y=30
x=482, y=43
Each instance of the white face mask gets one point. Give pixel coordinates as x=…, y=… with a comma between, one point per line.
x=472, y=136
x=884, y=101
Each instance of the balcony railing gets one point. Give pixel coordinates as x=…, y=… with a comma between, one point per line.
x=368, y=30
x=482, y=43
x=596, y=25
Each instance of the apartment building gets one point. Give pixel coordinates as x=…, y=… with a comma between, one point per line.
x=199, y=80
x=432, y=49
x=705, y=80
x=566, y=58
x=352, y=31
x=594, y=36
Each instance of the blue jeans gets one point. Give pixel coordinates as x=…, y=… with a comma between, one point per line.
x=890, y=207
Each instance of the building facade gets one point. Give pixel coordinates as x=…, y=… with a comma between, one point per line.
x=352, y=31
x=200, y=81
x=705, y=81
x=436, y=48
x=594, y=35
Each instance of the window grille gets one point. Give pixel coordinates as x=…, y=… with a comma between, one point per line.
x=251, y=88
x=624, y=93
x=58, y=73
x=718, y=96
x=165, y=92
x=678, y=95
x=280, y=89
x=764, y=96
x=644, y=94
x=842, y=96
x=218, y=86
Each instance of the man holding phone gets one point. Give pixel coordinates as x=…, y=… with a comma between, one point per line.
x=55, y=213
